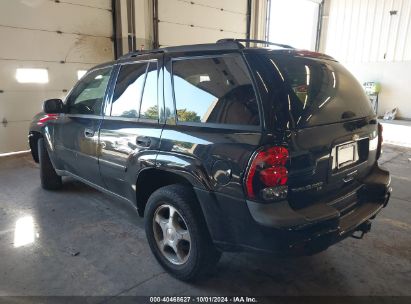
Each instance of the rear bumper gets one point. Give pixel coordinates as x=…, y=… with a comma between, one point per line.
x=237, y=224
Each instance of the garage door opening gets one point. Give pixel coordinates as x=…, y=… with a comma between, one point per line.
x=294, y=22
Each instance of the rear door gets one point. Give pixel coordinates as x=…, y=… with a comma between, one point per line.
x=213, y=120
x=77, y=130
x=130, y=128
x=326, y=118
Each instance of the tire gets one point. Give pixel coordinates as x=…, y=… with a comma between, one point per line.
x=48, y=176
x=197, y=257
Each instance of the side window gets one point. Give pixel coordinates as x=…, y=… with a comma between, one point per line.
x=149, y=106
x=214, y=90
x=128, y=90
x=88, y=96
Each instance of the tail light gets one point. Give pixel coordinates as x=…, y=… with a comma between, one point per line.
x=380, y=140
x=267, y=175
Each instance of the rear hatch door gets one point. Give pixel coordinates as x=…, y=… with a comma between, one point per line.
x=327, y=122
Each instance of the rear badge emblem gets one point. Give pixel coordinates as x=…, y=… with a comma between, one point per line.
x=317, y=186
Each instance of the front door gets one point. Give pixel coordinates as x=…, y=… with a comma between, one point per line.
x=77, y=130
x=130, y=131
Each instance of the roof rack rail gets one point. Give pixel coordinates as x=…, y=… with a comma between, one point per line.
x=222, y=44
x=141, y=52
x=248, y=41
x=227, y=45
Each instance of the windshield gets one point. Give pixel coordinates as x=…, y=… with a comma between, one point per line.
x=313, y=91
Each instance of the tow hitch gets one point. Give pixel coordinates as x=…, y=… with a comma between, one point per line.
x=363, y=229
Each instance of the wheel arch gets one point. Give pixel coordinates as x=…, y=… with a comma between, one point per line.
x=151, y=179
x=34, y=136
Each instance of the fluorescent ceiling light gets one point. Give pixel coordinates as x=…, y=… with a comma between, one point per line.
x=32, y=75
x=81, y=73
x=204, y=78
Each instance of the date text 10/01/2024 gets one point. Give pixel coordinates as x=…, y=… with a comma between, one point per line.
x=187, y=299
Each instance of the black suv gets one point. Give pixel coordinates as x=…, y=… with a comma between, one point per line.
x=222, y=147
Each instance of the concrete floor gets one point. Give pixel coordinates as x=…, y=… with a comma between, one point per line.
x=114, y=258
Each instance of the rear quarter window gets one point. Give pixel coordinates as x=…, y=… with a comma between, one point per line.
x=214, y=90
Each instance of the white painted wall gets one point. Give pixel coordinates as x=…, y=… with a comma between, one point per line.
x=395, y=78
x=375, y=46
x=30, y=39
x=201, y=21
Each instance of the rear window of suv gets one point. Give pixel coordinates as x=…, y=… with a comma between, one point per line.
x=214, y=90
x=313, y=91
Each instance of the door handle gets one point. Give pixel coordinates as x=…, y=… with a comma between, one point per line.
x=88, y=132
x=143, y=141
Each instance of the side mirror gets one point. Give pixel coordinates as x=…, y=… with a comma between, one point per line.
x=53, y=106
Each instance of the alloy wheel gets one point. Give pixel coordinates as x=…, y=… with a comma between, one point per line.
x=172, y=234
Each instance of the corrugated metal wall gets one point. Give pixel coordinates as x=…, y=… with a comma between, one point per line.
x=366, y=31
x=60, y=36
x=200, y=21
